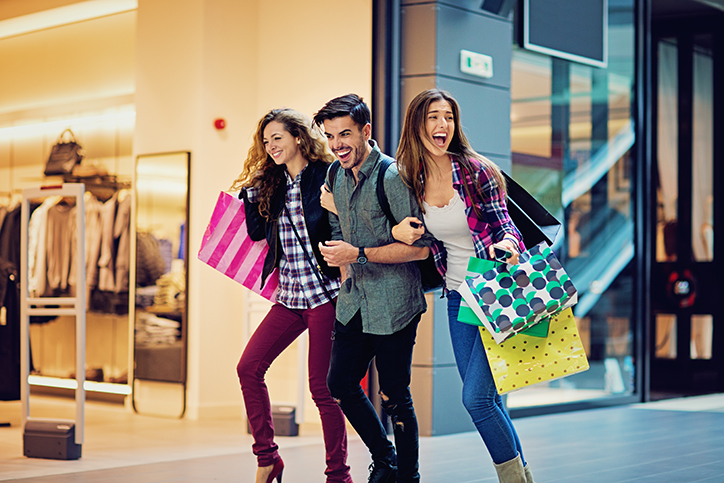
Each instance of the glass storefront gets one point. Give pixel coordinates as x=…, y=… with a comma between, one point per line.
x=572, y=136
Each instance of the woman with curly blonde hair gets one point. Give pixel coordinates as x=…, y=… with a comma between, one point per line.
x=280, y=184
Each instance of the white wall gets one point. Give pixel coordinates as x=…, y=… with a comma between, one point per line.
x=181, y=64
x=198, y=60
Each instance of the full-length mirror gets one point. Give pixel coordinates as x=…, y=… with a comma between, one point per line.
x=161, y=276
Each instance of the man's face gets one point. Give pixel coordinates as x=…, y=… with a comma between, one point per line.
x=347, y=141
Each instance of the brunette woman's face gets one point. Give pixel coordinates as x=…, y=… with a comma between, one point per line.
x=279, y=144
x=439, y=128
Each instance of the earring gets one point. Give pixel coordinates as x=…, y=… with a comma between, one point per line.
x=298, y=141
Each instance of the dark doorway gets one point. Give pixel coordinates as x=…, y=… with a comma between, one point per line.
x=687, y=320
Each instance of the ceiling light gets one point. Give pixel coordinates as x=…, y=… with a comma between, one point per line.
x=58, y=126
x=55, y=17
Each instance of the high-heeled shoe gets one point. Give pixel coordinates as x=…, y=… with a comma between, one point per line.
x=276, y=472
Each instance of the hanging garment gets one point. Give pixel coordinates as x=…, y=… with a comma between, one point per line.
x=60, y=231
x=9, y=332
x=149, y=262
x=122, y=236
x=10, y=236
x=106, y=261
x=37, y=234
x=92, y=239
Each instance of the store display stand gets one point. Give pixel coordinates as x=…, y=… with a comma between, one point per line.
x=53, y=438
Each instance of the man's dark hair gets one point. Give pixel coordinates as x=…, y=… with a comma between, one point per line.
x=350, y=105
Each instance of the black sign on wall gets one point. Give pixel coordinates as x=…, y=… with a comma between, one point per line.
x=575, y=30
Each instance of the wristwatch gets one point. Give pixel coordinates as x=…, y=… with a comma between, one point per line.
x=361, y=258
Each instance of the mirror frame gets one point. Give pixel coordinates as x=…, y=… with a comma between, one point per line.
x=184, y=156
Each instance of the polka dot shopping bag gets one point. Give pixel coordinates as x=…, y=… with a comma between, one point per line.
x=525, y=360
x=509, y=299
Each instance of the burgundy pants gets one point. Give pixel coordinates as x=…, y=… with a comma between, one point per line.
x=277, y=331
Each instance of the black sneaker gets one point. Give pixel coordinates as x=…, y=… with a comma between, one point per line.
x=382, y=473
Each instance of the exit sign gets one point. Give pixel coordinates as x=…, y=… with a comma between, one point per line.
x=473, y=63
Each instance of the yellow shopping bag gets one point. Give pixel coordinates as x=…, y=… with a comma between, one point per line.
x=524, y=360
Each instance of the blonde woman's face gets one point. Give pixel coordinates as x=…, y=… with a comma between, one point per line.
x=279, y=144
x=439, y=128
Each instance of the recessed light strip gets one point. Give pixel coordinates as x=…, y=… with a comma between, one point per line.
x=68, y=14
x=90, y=386
x=50, y=126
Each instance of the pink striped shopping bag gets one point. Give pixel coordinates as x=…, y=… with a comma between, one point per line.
x=226, y=247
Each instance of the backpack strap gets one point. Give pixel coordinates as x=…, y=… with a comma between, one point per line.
x=333, y=173
x=381, y=195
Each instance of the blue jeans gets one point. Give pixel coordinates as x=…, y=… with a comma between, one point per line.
x=480, y=397
x=352, y=352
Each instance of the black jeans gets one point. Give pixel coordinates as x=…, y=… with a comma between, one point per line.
x=352, y=352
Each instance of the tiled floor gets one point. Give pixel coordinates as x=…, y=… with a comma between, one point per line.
x=675, y=441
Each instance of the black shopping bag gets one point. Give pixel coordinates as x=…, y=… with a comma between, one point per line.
x=533, y=221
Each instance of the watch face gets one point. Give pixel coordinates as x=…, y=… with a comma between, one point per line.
x=361, y=258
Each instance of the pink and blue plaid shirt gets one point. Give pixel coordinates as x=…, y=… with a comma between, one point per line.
x=495, y=223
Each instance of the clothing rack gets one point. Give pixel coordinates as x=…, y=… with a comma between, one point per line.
x=10, y=194
x=45, y=305
x=102, y=187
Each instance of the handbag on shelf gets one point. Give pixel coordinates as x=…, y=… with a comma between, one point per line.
x=526, y=360
x=508, y=299
x=64, y=155
x=226, y=247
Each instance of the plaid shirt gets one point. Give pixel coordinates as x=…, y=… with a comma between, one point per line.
x=299, y=287
x=496, y=223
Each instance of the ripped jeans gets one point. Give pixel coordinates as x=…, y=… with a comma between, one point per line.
x=352, y=352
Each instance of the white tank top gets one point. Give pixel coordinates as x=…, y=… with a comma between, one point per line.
x=449, y=224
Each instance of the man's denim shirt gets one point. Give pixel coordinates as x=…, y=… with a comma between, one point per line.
x=388, y=296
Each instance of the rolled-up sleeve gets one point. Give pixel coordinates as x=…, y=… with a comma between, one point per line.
x=496, y=210
x=403, y=203
x=255, y=224
x=333, y=218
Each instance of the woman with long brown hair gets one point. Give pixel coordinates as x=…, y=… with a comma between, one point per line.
x=280, y=184
x=462, y=196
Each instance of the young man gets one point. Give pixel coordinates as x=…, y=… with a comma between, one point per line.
x=381, y=299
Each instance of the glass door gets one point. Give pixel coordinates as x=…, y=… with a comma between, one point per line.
x=685, y=299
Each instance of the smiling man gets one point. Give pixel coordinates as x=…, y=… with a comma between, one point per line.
x=381, y=298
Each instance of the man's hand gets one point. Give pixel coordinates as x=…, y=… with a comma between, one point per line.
x=338, y=253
